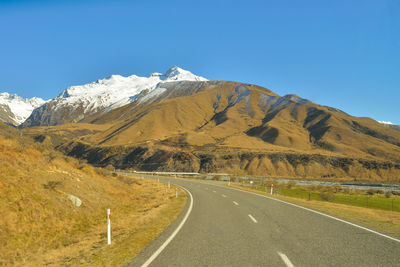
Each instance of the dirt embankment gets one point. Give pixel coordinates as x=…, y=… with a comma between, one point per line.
x=277, y=164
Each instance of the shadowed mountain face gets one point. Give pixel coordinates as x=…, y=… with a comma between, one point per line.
x=220, y=125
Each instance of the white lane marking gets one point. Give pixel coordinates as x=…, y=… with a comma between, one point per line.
x=214, y=191
x=286, y=260
x=234, y=202
x=165, y=244
x=252, y=218
x=321, y=213
x=223, y=195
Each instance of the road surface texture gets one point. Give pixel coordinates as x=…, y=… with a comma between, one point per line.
x=228, y=227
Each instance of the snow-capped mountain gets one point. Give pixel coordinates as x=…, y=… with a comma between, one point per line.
x=15, y=109
x=77, y=102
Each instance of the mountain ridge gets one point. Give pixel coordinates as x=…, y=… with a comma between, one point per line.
x=217, y=126
x=77, y=102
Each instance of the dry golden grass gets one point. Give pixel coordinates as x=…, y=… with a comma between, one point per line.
x=41, y=226
x=234, y=118
x=381, y=220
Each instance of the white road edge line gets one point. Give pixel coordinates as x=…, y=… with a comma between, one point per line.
x=286, y=260
x=234, y=202
x=165, y=244
x=252, y=218
x=323, y=214
x=223, y=195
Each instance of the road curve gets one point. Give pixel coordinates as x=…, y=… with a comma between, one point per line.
x=228, y=227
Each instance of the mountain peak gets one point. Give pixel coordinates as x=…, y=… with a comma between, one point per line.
x=110, y=93
x=18, y=108
x=175, y=73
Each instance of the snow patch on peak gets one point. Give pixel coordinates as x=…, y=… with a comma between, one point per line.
x=177, y=74
x=116, y=90
x=386, y=122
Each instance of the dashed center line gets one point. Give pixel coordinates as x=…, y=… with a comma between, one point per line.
x=286, y=260
x=234, y=202
x=252, y=218
x=223, y=195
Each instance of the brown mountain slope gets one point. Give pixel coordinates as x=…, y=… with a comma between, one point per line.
x=218, y=125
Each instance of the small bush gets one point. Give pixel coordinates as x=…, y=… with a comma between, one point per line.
x=215, y=178
x=346, y=190
x=388, y=194
x=371, y=191
x=396, y=193
x=291, y=184
x=337, y=188
x=327, y=196
x=52, y=185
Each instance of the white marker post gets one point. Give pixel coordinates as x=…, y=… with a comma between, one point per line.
x=169, y=185
x=176, y=192
x=108, y=227
x=272, y=188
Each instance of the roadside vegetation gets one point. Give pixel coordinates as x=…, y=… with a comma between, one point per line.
x=372, y=208
x=371, y=198
x=54, y=208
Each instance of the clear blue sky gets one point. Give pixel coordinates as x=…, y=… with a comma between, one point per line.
x=344, y=54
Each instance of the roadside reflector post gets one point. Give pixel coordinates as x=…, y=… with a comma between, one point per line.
x=176, y=192
x=108, y=227
x=169, y=185
x=272, y=189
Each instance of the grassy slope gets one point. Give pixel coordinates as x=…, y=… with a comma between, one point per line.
x=40, y=225
x=211, y=122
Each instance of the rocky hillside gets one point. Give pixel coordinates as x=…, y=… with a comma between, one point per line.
x=217, y=126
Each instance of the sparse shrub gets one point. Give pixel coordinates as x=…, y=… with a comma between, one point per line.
x=88, y=170
x=215, y=178
x=114, y=174
x=109, y=167
x=388, y=194
x=52, y=155
x=346, y=190
x=291, y=184
x=396, y=193
x=52, y=185
x=337, y=188
x=327, y=196
x=312, y=188
x=371, y=191
x=320, y=188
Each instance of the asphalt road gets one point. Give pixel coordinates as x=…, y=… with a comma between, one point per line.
x=228, y=227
